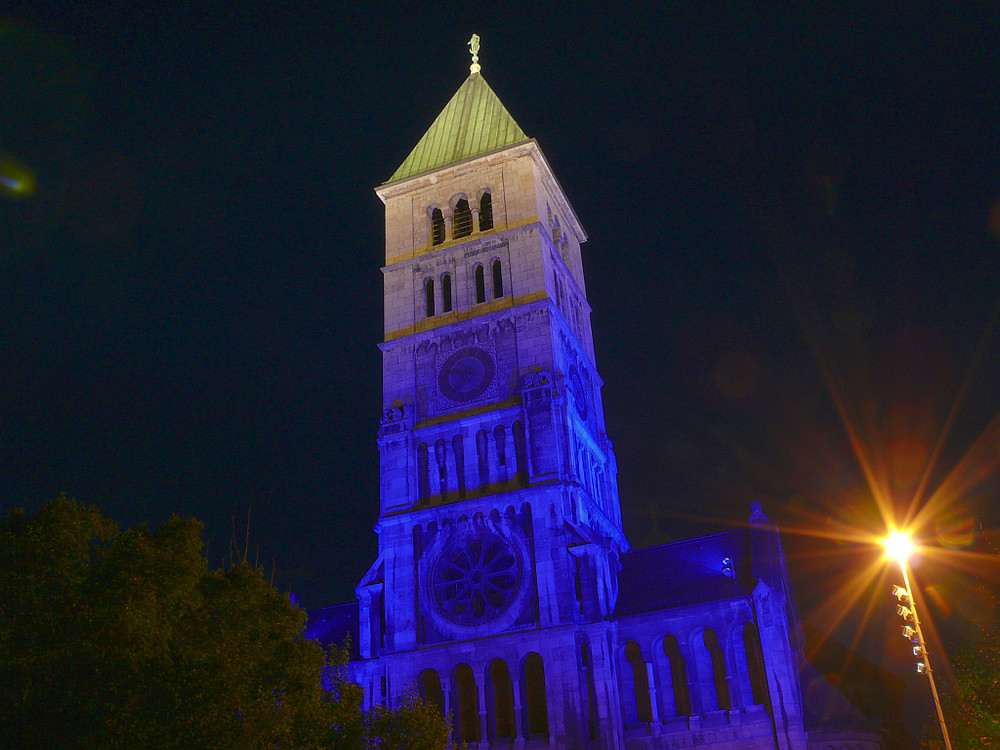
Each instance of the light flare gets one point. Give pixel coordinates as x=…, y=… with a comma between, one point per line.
x=16, y=180
x=899, y=546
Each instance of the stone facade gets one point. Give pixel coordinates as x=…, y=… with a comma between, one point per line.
x=504, y=590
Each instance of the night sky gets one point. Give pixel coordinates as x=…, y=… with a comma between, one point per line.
x=793, y=260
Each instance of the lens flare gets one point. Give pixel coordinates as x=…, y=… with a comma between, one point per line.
x=898, y=545
x=956, y=530
x=15, y=179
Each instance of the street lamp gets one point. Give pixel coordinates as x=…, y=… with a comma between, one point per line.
x=899, y=546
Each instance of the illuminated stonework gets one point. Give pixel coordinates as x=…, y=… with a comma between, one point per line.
x=504, y=589
x=476, y=579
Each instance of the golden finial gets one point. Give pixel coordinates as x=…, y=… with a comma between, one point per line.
x=474, y=49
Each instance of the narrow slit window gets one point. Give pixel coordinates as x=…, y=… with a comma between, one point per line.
x=446, y=293
x=755, y=664
x=423, y=472
x=430, y=690
x=429, y=297
x=497, y=279
x=678, y=676
x=534, y=692
x=485, y=212
x=458, y=448
x=640, y=682
x=520, y=453
x=480, y=285
x=462, y=226
x=502, y=701
x=718, y=669
x=465, y=705
x=437, y=227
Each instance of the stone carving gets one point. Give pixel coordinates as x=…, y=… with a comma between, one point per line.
x=537, y=379
x=476, y=578
x=394, y=413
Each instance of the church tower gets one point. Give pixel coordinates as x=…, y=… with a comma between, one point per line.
x=504, y=590
x=500, y=531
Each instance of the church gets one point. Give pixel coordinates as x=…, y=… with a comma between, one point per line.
x=505, y=590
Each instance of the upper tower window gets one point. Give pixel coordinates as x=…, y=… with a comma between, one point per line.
x=480, y=285
x=485, y=212
x=463, y=219
x=497, y=279
x=437, y=227
x=446, y=292
x=429, y=297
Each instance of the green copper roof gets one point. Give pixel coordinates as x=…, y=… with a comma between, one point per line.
x=473, y=123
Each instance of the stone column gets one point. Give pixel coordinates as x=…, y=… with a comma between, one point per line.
x=484, y=740
x=446, y=694
x=654, y=708
x=519, y=738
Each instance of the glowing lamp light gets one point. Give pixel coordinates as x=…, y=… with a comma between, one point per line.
x=898, y=546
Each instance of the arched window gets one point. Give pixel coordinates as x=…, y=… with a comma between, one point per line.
x=483, y=456
x=520, y=453
x=437, y=227
x=755, y=665
x=423, y=472
x=678, y=676
x=485, y=212
x=458, y=446
x=640, y=679
x=462, y=226
x=500, y=438
x=381, y=619
x=429, y=297
x=536, y=724
x=500, y=700
x=441, y=456
x=465, y=697
x=497, y=279
x=718, y=675
x=430, y=689
x=588, y=667
x=446, y=292
x=480, y=285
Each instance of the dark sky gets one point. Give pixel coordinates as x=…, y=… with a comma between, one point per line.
x=789, y=240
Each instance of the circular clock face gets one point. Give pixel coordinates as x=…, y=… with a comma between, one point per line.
x=579, y=395
x=466, y=374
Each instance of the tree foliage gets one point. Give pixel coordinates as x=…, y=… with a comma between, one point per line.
x=112, y=638
x=970, y=688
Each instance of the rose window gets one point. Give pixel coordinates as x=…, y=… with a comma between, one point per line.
x=475, y=578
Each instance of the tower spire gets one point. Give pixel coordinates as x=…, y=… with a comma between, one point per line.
x=474, y=49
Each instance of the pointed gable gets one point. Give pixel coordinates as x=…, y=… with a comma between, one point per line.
x=473, y=123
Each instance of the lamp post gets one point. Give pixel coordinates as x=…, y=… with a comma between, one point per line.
x=898, y=546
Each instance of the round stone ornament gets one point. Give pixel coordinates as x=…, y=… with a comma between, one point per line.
x=475, y=579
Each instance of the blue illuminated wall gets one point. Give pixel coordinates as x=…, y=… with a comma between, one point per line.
x=504, y=589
